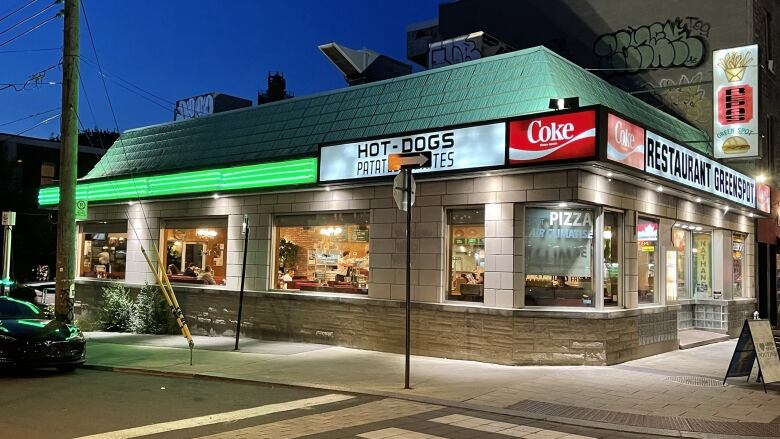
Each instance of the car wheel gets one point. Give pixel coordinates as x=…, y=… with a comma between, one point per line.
x=67, y=368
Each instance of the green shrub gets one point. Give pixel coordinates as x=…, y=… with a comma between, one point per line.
x=116, y=310
x=150, y=312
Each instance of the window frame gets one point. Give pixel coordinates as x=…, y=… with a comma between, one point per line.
x=595, y=273
x=273, y=251
x=446, y=269
x=658, y=299
x=81, y=225
x=170, y=223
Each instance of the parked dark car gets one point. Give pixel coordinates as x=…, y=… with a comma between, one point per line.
x=28, y=339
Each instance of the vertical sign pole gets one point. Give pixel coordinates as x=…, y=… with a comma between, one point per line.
x=245, y=231
x=6, y=260
x=408, y=178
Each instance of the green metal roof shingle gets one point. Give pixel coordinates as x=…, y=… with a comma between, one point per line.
x=502, y=86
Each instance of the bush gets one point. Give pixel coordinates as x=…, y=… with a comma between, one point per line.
x=150, y=312
x=116, y=310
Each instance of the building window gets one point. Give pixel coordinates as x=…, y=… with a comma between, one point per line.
x=738, y=264
x=103, y=249
x=680, y=241
x=701, y=258
x=48, y=173
x=195, y=250
x=558, y=247
x=612, y=271
x=466, y=242
x=325, y=252
x=647, y=254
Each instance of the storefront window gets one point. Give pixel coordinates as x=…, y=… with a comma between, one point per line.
x=558, y=247
x=103, y=250
x=680, y=240
x=738, y=263
x=701, y=253
x=466, y=254
x=612, y=243
x=195, y=250
x=647, y=246
x=323, y=252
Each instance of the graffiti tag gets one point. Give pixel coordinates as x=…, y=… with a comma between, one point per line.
x=658, y=45
x=687, y=99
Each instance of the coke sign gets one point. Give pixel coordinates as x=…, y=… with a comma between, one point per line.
x=625, y=142
x=558, y=137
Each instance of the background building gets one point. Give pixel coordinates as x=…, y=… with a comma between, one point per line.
x=26, y=164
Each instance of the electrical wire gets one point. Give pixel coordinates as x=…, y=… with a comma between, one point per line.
x=17, y=9
x=43, y=122
x=29, y=117
x=36, y=79
x=21, y=22
x=28, y=30
x=45, y=49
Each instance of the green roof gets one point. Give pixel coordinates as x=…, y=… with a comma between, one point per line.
x=502, y=86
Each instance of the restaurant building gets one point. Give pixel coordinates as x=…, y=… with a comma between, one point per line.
x=589, y=235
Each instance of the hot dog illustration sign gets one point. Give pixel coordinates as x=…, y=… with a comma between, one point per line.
x=553, y=138
x=466, y=148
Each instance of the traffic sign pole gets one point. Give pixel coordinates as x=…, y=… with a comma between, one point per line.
x=408, y=177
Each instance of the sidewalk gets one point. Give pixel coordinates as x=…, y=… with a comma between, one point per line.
x=672, y=393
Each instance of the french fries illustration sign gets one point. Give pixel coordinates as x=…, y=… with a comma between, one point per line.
x=735, y=102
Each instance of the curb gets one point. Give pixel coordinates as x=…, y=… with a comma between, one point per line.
x=427, y=400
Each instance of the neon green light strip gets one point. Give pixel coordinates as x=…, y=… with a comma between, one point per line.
x=284, y=173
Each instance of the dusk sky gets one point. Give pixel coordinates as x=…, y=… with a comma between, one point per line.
x=176, y=49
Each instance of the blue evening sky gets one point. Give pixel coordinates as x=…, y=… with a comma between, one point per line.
x=180, y=48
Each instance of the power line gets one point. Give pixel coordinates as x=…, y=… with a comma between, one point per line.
x=29, y=117
x=29, y=30
x=46, y=49
x=17, y=9
x=43, y=122
x=36, y=79
x=25, y=20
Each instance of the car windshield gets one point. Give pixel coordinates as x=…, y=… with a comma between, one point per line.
x=17, y=309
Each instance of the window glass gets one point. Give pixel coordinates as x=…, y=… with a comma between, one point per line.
x=466, y=243
x=323, y=252
x=701, y=255
x=680, y=240
x=558, y=245
x=196, y=251
x=647, y=242
x=738, y=263
x=103, y=250
x=48, y=171
x=612, y=243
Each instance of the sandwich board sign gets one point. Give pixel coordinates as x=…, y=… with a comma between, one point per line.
x=756, y=342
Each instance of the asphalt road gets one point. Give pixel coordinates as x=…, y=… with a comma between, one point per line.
x=102, y=405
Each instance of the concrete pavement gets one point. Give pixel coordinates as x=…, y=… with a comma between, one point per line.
x=677, y=393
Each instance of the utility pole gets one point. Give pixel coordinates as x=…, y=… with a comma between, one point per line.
x=66, y=222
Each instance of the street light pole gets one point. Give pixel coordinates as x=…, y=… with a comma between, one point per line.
x=245, y=231
x=66, y=222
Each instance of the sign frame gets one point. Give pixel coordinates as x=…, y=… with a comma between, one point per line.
x=383, y=179
x=748, y=356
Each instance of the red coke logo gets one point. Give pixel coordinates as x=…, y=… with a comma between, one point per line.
x=625, y=142
x=556, y=137
x=549, y=133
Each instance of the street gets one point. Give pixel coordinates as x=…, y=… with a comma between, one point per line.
x=97, y=404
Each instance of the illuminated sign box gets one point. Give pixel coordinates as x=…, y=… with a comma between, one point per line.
x=463, y=149
x=556, y=137
x=735, y=102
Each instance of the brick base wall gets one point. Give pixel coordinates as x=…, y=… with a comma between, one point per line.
x=503, y=336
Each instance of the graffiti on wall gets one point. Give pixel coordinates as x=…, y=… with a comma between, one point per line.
x=678, y=42
x=686, y=96
x=465, y=48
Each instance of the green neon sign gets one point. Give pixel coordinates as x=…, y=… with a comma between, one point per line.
x=286, y=173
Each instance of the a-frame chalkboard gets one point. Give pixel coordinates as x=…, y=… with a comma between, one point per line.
x=755, y=342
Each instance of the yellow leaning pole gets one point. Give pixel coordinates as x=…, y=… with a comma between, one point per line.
x=165, y=285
